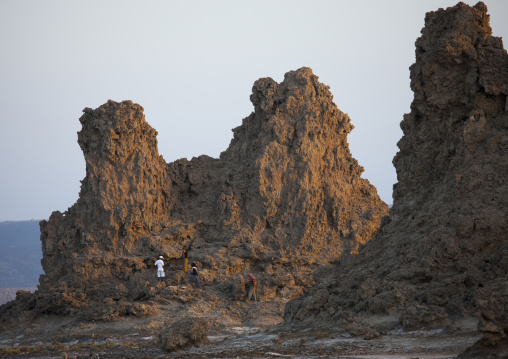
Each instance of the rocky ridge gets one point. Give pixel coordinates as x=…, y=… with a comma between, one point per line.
x=283, y=199
x=441, y=260
x=276, y=197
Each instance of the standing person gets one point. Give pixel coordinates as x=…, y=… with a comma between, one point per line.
x=251, y=285
x=185, y=257
x=194, y=275
x=160, y=269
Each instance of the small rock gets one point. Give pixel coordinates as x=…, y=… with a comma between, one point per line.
x=184, y=333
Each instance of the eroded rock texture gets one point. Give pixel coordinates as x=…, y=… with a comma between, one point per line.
x=90, y=250
x=285, y=197
x=442, y=258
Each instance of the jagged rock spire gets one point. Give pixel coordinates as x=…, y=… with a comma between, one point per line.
x=442, y=259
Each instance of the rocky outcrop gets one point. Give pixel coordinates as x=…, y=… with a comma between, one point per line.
x=284, y=198
x=126, y=189
x=442, y=257
x=125, y=195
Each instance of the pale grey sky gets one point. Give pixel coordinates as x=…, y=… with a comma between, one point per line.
x=191, y=65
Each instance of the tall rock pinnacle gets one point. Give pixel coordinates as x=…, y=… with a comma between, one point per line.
x=442, y=259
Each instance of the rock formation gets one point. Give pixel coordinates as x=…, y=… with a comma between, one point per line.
x=441, y=260
x=284, y=198
x=125, y=195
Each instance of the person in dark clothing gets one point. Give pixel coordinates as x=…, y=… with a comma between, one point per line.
x=251, y=286
x=194, y=275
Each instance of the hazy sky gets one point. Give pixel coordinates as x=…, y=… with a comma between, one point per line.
x=191, y=65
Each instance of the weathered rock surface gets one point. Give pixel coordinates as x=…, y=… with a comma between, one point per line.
x=441, y=260
x=89, y=251
x=184, y=333
x=283, y=199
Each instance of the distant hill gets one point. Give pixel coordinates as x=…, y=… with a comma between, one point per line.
x=20, y=254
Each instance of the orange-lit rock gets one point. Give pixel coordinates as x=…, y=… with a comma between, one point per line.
x=283, y=199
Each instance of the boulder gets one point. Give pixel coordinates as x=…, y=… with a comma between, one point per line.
x=184, y=333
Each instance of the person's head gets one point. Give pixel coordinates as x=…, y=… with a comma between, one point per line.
x=193, y=264
x=161, y=257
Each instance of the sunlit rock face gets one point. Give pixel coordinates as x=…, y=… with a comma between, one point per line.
x=442, y=258
x=284, y=198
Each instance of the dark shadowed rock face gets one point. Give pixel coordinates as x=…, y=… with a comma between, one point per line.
x=285, y=197
x=442, y=259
